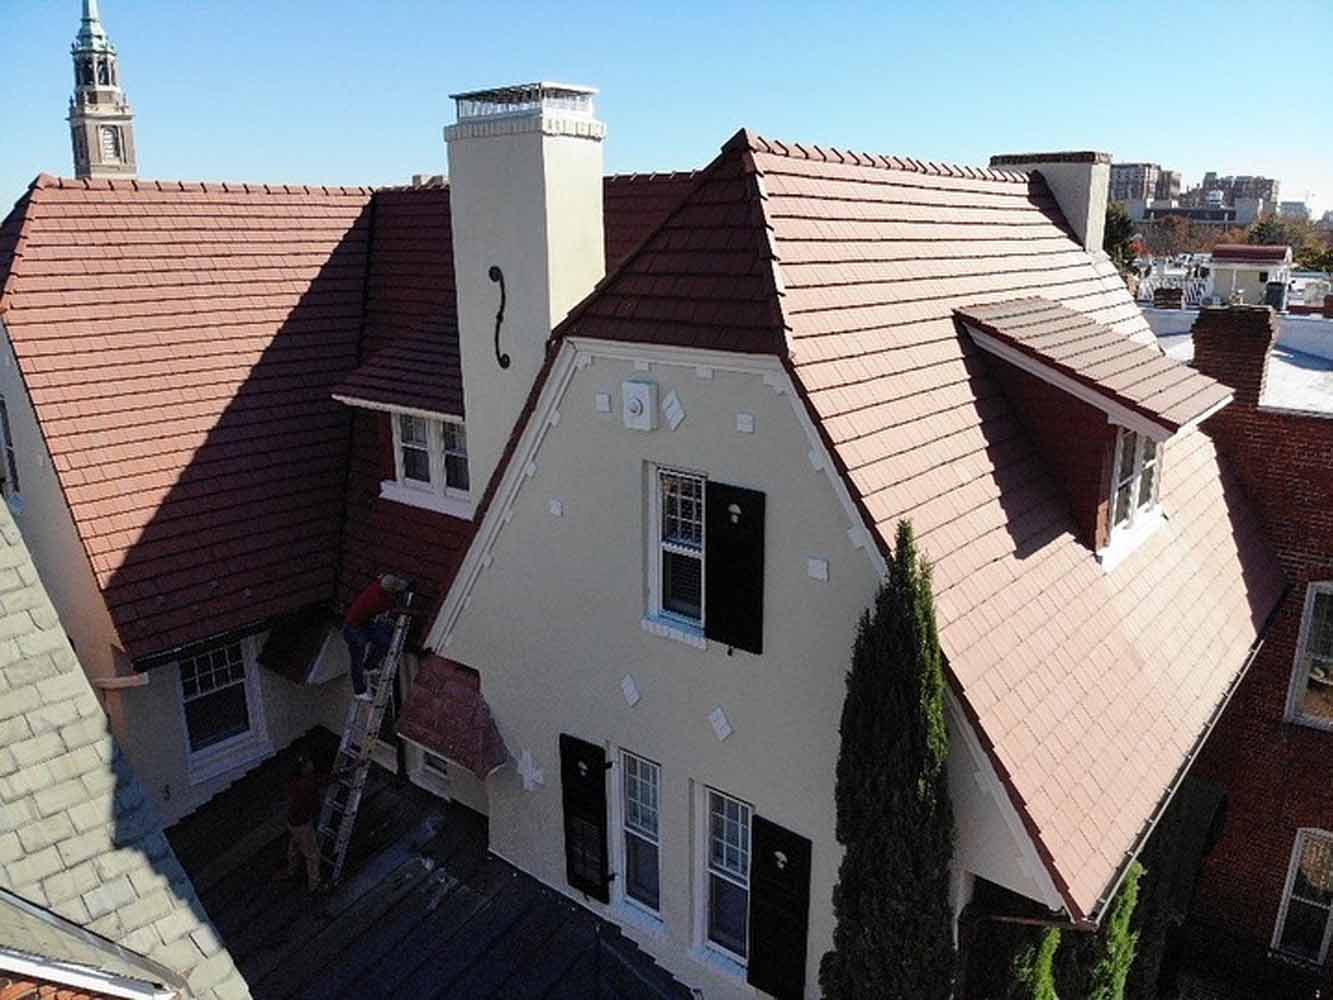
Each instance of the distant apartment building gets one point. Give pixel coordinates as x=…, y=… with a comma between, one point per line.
x=1131, y=181
x=1297, y=210
x=1168, y=185
x=1216, y=191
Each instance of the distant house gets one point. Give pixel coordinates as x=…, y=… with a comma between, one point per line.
x=1257, y=275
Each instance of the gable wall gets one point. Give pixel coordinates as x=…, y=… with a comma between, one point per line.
x=553, y=625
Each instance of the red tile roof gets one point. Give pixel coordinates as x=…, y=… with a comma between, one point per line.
x=1250, y=253
x=447, y=715
x=179, y=342
x=1120, y=371
x=1090, y=689
x=634, y=205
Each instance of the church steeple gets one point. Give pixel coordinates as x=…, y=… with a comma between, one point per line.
x=101, y=123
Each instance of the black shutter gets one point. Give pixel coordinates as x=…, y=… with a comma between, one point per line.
x=779, y=909
x=583, y=792
x=734, y=570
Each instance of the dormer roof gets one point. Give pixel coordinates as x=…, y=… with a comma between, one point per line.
x=1231, y=254
x=1135, y=384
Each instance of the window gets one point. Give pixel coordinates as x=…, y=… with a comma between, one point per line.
x=1134, y=492
x=434, y=763
x=10, y=485
x=728, y=907
x=222, y=708
x=1312, y=680
x=1303, y=923
x=681, y=546
x=642, y=795
x=414, y=448
x=213, y=690
x=430, y=464
x=110, y=143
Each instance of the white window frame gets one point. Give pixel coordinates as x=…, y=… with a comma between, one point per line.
x=437, y=495
x=649, y=918
x=710, y=952
x=1303, y=835
x=1304, y=660
x=236, y=751
x=1144, y=515
x=661, y=620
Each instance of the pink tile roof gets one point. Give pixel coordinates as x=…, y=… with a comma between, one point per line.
x=1121, y=371
x=179, y=342
x=1089, y=689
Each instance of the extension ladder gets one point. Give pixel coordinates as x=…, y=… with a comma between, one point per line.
x=360, y=731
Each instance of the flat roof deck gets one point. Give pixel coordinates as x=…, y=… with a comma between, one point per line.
x=423, y=911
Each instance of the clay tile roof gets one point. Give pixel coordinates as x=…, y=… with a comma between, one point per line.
x=1090, y=689
x=419, y=369
x=179, y=343
x=1248, y=253
x=1120, y=372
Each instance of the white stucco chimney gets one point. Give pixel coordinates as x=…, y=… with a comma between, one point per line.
x=525, y=179
x=1080, y=183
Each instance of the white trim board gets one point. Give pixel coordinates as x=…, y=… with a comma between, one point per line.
x=78, y=977
x=411, y=411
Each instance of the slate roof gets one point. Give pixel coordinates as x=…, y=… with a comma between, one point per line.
x=179, y=342
x=1090, y=689
x=1121, y=371
x=78, y=837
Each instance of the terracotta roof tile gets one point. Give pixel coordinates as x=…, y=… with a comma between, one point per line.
x=1070, y=344
x=1079, y=680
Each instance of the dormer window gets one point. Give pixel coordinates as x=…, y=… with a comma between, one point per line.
x=1136, y=479
x=430, y=464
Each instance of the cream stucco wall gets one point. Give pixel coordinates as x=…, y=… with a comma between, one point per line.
x=554, y=625
x=1245, y=280
x=147, y=720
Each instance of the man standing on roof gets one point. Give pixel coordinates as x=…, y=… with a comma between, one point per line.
x=304, y=792
x=367, y=634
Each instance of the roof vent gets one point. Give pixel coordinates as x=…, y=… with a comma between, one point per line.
x=525, y=99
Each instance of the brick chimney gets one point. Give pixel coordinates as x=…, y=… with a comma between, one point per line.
x=1232, y=344
x=1080, y=183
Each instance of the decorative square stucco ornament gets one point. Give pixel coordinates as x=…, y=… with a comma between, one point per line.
x=720, y=723
x=673, y=409
x=533, y=777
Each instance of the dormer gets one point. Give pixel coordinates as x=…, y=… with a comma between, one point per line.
x=1100, y=406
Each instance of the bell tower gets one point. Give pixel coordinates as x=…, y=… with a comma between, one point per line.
x=101, y=124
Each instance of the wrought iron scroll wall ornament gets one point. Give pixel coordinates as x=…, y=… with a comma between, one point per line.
x=498, y=276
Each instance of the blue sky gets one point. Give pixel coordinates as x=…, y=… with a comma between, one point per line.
x=356, y=91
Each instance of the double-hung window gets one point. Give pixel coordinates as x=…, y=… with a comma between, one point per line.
x=430, y=464
x=680, y=545
x=1312, y=679
x=221, y=705
x=1137, y=477
x=728, y=875
x=642, y=781
x=1303, y=924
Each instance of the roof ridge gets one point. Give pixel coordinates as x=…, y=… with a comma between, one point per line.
x=44, y=181
x=10, y=254
x=756, y=143
x=659, y=175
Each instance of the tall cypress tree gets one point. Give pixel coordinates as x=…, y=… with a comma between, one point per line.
x=894, y=934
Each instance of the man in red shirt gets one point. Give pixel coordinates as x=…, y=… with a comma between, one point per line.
x=368, y=635
x=304, y=795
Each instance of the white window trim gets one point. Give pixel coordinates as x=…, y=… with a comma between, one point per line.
x=703, y=948
x=1302, y=836
x=436, y=495
x=1144, y=519
x=659, y=621
x=634, y=912
x=241, y=749
x=1300, y=679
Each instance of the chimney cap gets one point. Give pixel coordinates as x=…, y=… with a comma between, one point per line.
x=525, y=98
x=1017, y=159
